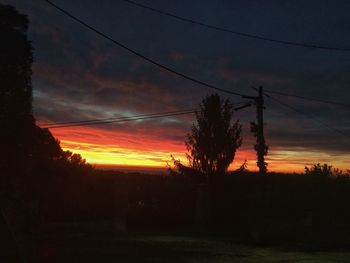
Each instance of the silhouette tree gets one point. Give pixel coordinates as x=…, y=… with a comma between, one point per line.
x=257, y=128
x=213, y=141
x=15, y=78
x=30, y=157
x=16, y=54
x=324, y=170
x=75, y=161
x=24, y=144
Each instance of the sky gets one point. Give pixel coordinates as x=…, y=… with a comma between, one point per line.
x=78, y=75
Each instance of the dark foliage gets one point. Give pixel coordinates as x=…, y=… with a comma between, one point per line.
x=24, y=145
x=214, y=139
x=260, y=147
x=325, y=170
x=15, y=80
x=257, y=128
x=31, y=159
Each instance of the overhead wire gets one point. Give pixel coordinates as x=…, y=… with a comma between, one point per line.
x=189, y=77
x=179, y=73
x=238, y=33
x=124, y=119
x=138, y=54
x=114, y=118
x=307, y=98
x=308, y=116
x=51, y=124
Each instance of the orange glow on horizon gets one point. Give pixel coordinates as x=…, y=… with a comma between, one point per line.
x=121, y=148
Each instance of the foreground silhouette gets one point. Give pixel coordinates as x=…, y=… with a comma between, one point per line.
x=213, y=140
x=31, y=159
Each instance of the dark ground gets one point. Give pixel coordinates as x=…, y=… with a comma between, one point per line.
x=99, y=248
x=146, y=248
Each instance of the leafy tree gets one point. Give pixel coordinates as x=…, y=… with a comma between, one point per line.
x=15, y=79
x=260, y=147
x=15, y=64
x=29, y=154
x=76, y=161
x=324, y=170
x=25, y=146
x=179, y=169
x=319, y=170
x=214, y=139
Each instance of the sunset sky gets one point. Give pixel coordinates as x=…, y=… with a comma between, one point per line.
x=77, y=75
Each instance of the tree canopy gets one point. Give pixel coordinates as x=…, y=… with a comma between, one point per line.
x=24, y=144
x=214, y=139
x=16, y=61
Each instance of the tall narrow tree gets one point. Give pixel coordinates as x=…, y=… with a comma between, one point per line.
x=23, y=143
x=15, y=79
x=214, y=139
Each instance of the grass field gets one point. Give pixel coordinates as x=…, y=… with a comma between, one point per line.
x=170, y=249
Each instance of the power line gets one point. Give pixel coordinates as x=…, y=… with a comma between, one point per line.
x=94, y=121
x=308, y=98
x=309, y=116
x=238, y=33
x=121, y=119
x=347, y=1
x=115, y=118
x=118, y=118
x=174, y=71
x=134, y=118
x=162, y=66
x=182, y=74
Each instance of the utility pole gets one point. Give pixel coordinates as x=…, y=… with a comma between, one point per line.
x=260, y=147
x=258, y=130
